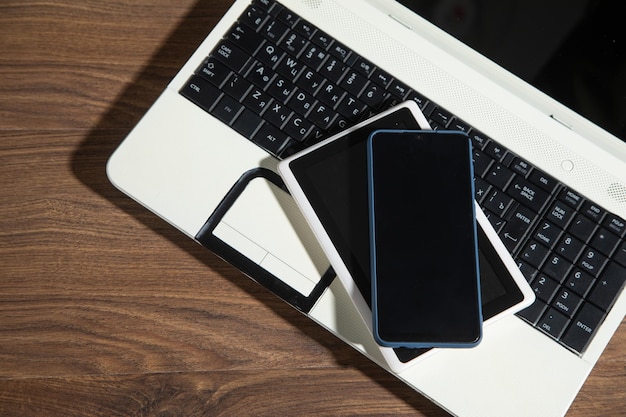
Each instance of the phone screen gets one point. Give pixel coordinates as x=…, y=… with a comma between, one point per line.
x=424, y=250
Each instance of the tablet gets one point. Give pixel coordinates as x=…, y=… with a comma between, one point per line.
x=328, y=181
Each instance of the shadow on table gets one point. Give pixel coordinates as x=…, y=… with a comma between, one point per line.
x=89, y=161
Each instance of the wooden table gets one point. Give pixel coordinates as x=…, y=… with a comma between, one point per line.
x=106, y=310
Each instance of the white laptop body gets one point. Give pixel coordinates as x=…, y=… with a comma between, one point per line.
x=181, y=163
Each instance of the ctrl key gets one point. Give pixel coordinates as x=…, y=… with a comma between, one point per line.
x=201, y=92
x=583, y=328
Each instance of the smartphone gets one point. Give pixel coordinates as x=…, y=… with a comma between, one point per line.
x=423, y=239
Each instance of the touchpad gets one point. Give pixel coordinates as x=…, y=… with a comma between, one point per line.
x=265, y=225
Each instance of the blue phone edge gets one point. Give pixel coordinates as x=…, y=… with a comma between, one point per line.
x=372, y=244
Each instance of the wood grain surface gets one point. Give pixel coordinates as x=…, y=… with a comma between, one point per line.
x=105, y=310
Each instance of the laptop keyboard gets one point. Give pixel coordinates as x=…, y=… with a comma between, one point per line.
x=285, y=85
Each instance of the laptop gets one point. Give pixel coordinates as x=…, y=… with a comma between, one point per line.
x=549, y=155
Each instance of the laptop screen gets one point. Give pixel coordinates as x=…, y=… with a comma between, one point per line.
x=572, y=50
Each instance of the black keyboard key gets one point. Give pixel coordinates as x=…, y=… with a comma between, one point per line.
x=615, y=224
x=567, y=302
x=333, y=69
x=398, y=89
x=353, y=82
x=310, y=81
x=323, y=116
x=236, y=86
x=257, y=100
x=201, y=92
x=571, y=197
x=351, y=108
x=381, y=78
x=214, y=71
x=569, y=247
x=374, y=96
x=520, y=166
x=289, y=67
x=245, y=37
x=330, y=95
x=608, y=286
x=544, y=288
x=579, y=281
x=534, y=253
x=364, y=66
x=547, y=233
x=281, y=89
x=322, y=39
x=553, y=323
x=499, y=176
x=301, y=102
x=234, y=57
x=496, y=150
x=254, y=16
x=560, y=214
x=273, y=30
x=604, y=241
x=305, y=28
x=271, y=139
x=313, y=56
x=592, y=261
x=497, y=202
x=479, y=139
x=298, y=128
x=288, y=17
x=543, y=180
x=583, y=328
x=247, y=123
x=518, y=224
x=593, y=211
x=226, y=109
x=269, y=54
x=277, y=114
x=556, y=267
x=340, y=51
x=294, y=43
x=528, y=193
x=582, y=227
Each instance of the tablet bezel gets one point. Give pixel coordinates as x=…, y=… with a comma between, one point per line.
x=403, y=116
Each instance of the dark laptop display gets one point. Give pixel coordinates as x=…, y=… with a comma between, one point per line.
x=575, y=52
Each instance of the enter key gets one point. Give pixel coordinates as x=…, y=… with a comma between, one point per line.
x=518, y=223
